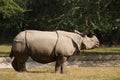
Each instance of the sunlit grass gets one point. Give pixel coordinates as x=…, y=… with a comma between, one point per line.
x=103, y=50
x=72, y=73
x=5, y=50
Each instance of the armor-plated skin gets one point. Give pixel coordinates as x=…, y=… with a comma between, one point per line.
x=45, y=47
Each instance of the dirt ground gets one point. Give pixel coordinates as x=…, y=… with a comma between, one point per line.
x=75, y=61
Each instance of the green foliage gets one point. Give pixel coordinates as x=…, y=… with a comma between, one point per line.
x=18, y=15
x=63, y=14
x=9, y=8
x=95, y=14
x=11, y=18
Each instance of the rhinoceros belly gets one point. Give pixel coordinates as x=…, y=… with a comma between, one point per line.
x=42, y=58
x=41, y=46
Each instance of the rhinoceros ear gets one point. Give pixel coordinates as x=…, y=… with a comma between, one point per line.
x=76, y=31
x=81, y=34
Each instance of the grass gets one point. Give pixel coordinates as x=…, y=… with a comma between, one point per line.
x=72, y=73
x=108, y=50
x=79, y=73
x=5, y=50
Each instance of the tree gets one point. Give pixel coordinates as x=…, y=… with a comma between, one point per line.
x=11, y=15
x=99, y=16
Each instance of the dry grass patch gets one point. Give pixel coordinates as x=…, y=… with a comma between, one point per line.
x=81, y=73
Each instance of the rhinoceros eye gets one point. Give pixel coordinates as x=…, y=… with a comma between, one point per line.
x=90, y=35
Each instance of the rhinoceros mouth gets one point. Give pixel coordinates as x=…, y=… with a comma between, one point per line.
x=97, y=45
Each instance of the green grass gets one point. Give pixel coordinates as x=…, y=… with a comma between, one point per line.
x=105, y=50
x=5, y=50
x=72, y=73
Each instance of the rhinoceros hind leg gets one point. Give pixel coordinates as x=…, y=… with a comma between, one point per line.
x=21, y=67
x=19, y=63
x=14, y=65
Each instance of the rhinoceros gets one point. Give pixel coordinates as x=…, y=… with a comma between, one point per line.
x=48, y=46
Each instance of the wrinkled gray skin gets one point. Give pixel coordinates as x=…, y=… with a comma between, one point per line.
x=45, y=47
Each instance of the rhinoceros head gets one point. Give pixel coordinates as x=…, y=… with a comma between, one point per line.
x=89, y=41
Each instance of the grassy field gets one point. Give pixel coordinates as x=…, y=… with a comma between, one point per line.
x=72, y=73
x=103, y=50
x=5, y=50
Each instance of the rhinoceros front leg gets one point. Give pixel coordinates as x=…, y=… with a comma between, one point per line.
x=63, y=64
x=60, y=64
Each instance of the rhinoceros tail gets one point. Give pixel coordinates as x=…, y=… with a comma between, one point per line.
x=11, y=54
